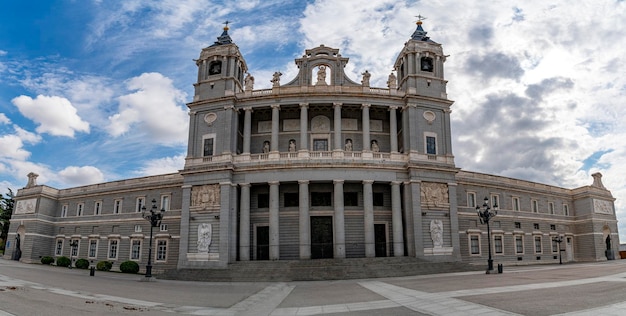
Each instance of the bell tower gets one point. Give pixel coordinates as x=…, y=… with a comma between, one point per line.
x=221, y=69
x=420, y=65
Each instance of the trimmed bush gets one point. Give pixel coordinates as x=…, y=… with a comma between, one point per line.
x=63, y=261
x=82, y=263
x=47, y=260
x=129, y=267
x=104, y=265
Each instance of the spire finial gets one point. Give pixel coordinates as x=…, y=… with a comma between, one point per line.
x=226, y=25
x=420, y=18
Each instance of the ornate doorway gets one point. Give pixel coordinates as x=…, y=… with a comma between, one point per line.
x=321, y=237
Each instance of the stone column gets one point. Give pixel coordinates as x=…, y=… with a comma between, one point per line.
x=192, y=143
x=247, y=127
x=340, y=234
x=274, y=221
x=366, y=126
x=416, y=202
x=304, y=126
x=305, y=220
x=454, y=220
x=244, y=223
x=414, y=137
x=396, y=220
x=368, y=214
x=446, y=130
x=337, y=117
x=225, y=222
x=232, y=226
x=275, y=125
x=393, y=129
x=184, y=226
x=408, y=215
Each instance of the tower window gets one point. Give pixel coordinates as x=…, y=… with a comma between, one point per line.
x=209, y=146
x=215, y=67
x=426, y=64
x=431, y=145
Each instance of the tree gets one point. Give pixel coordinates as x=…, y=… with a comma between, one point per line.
x=7, y=202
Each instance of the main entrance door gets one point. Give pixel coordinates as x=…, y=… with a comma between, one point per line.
x=380, y=237
x=263, y=243
x=321, y=237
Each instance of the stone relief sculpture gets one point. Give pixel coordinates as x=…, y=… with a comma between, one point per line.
x=435, y=194
x=266, y=147
x=320, y=123
x=276, y=79
x=348, y=145
x=374, y=146
x=205, y=230
x=366, y=79
x=321, y=75
x=392, y=81
x=249, y=82
x=436, y=233
x=206, y=195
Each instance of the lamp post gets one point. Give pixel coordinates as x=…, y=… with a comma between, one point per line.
x=154, y=217
x=559, y=240
x=485, y=214
x=73, y=245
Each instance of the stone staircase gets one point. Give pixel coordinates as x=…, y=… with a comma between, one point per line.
x=319, y=269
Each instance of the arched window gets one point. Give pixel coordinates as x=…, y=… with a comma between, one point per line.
x=426, y=64
x=215, y=67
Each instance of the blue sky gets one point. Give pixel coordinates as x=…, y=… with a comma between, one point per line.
x=94, y=91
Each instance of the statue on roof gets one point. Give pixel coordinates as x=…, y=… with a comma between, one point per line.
x=392, y=81
x=366, y=78
x=321, y=75
x=249, y=82
x=276, y=79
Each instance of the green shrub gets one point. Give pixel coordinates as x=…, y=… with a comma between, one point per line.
x=129, y=267
x=63, y=261
x=82, y=263
x=47, y=260
x=104, y=265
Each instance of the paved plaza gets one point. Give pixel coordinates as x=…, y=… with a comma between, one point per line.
x=569, y=289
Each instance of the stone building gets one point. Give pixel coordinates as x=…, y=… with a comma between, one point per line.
x=320, y=166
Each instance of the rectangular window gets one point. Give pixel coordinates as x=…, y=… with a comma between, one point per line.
x=117, y=206
x=74, y=243
x=565, y=210
x=535, y=206
x=537, y=244
x=515, y=202
x=64, y=211
x=518, y=225
x=555, y=246
x=93, y=248
x=519, y=244
x=495, y=200
x=113, y=248
x=141, y=201
x=471, y=199
x=320, y=144
x=378, y=199
x=474, y=245
x=137, y=228
x=161, y=253
x=497, y=244
x=350, y=199
x=551, y=207
x=209, y=146
x=552, y=227
x=431, y=145
x=291, y=199
x=79, y=209
x=59, y=249
x=536, y=226
x=321, y=199
x=97, y=206
x=163, y=227
x=135, y=250
x=263, y=200
x=165, y=202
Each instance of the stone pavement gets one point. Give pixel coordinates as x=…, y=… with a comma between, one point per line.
x=569, y=289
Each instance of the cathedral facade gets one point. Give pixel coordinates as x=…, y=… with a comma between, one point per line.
x=320, y=166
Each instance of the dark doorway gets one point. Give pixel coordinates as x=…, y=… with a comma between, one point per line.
x=380, y=237
x=321, y=237
x=262, y=243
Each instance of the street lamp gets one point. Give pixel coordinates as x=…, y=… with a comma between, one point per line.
x=559, y=240
x=154, y=217
x=73, y=245
x=485, y=214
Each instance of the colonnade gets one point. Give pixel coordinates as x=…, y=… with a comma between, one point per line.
x=304, y=220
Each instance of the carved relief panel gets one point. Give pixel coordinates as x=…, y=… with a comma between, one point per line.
x=435, y=195
x=205, y=196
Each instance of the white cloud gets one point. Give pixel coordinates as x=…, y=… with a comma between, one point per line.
x=76, y=176
x=4, y=119
x=163, y=166
x=154, y=110
x=11, y=147
x=55, y=115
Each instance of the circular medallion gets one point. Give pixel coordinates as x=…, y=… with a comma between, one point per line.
x=210, y=118
x=429, y=116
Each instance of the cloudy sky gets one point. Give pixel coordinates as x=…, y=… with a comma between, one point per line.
x=94, y=91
